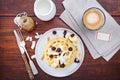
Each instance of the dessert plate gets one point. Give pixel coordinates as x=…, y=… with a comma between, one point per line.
x=40, y=46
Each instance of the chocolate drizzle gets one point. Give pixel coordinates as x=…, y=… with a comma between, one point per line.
x=54, y=32
x=70, y=48
x=53, y=48
x=72, y=35
x=76, y=60
x=64, y=54
x=51, y=56
x=61, y=65
x=58, y=50
x=59, y=54
x=64, y=33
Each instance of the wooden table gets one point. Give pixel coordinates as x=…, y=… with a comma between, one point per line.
x=11, y=63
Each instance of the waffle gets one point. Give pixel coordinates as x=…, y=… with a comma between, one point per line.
x=60, y=53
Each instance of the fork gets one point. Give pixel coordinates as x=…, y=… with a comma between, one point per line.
x=22, y=44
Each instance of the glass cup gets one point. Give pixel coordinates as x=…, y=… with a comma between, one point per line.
x=93, y=18
x=24, y=22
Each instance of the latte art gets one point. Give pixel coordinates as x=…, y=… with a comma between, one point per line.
x=93, y=19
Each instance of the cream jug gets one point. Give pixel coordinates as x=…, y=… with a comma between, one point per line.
x=45, y=10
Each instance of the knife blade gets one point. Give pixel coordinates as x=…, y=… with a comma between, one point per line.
x=24, y=57
x=17, y=39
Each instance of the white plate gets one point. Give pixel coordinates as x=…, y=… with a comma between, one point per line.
x=40, y=50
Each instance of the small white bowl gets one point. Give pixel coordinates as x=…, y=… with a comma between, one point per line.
x=45, y=10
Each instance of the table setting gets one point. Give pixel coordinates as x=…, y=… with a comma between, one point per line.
x=66, y=39
x=99, y=51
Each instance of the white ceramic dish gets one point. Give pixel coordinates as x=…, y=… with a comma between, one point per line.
x=40, y=50
x=45, y=10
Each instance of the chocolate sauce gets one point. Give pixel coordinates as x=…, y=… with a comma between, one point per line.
x=54, y=32
x=64, y=54
x=72, y=35
x=61, y=65
x=59, y=54
x=64, y=33
x=76, y=60
x=58, y=50
x=53, y=48
x=70, y=48
x=51, y=56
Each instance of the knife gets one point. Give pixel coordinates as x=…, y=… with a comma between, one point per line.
x=24, y=57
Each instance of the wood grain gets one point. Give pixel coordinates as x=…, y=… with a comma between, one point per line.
x=11, y=63
x=28, y=68
x=12, y=7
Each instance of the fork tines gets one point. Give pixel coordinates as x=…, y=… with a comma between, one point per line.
x=20, y=35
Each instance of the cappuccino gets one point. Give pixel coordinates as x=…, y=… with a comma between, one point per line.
x=93, y=18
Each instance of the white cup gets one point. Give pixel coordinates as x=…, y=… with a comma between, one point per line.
x=45, y=10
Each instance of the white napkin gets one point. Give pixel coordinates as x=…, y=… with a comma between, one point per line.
x=73, y=17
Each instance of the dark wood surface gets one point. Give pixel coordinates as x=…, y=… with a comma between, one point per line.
x=11, y=63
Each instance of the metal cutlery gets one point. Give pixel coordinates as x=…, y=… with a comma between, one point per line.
x=21, y=43
x=24, y=57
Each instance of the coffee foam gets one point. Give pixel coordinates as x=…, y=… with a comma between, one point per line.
x=92, y=18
